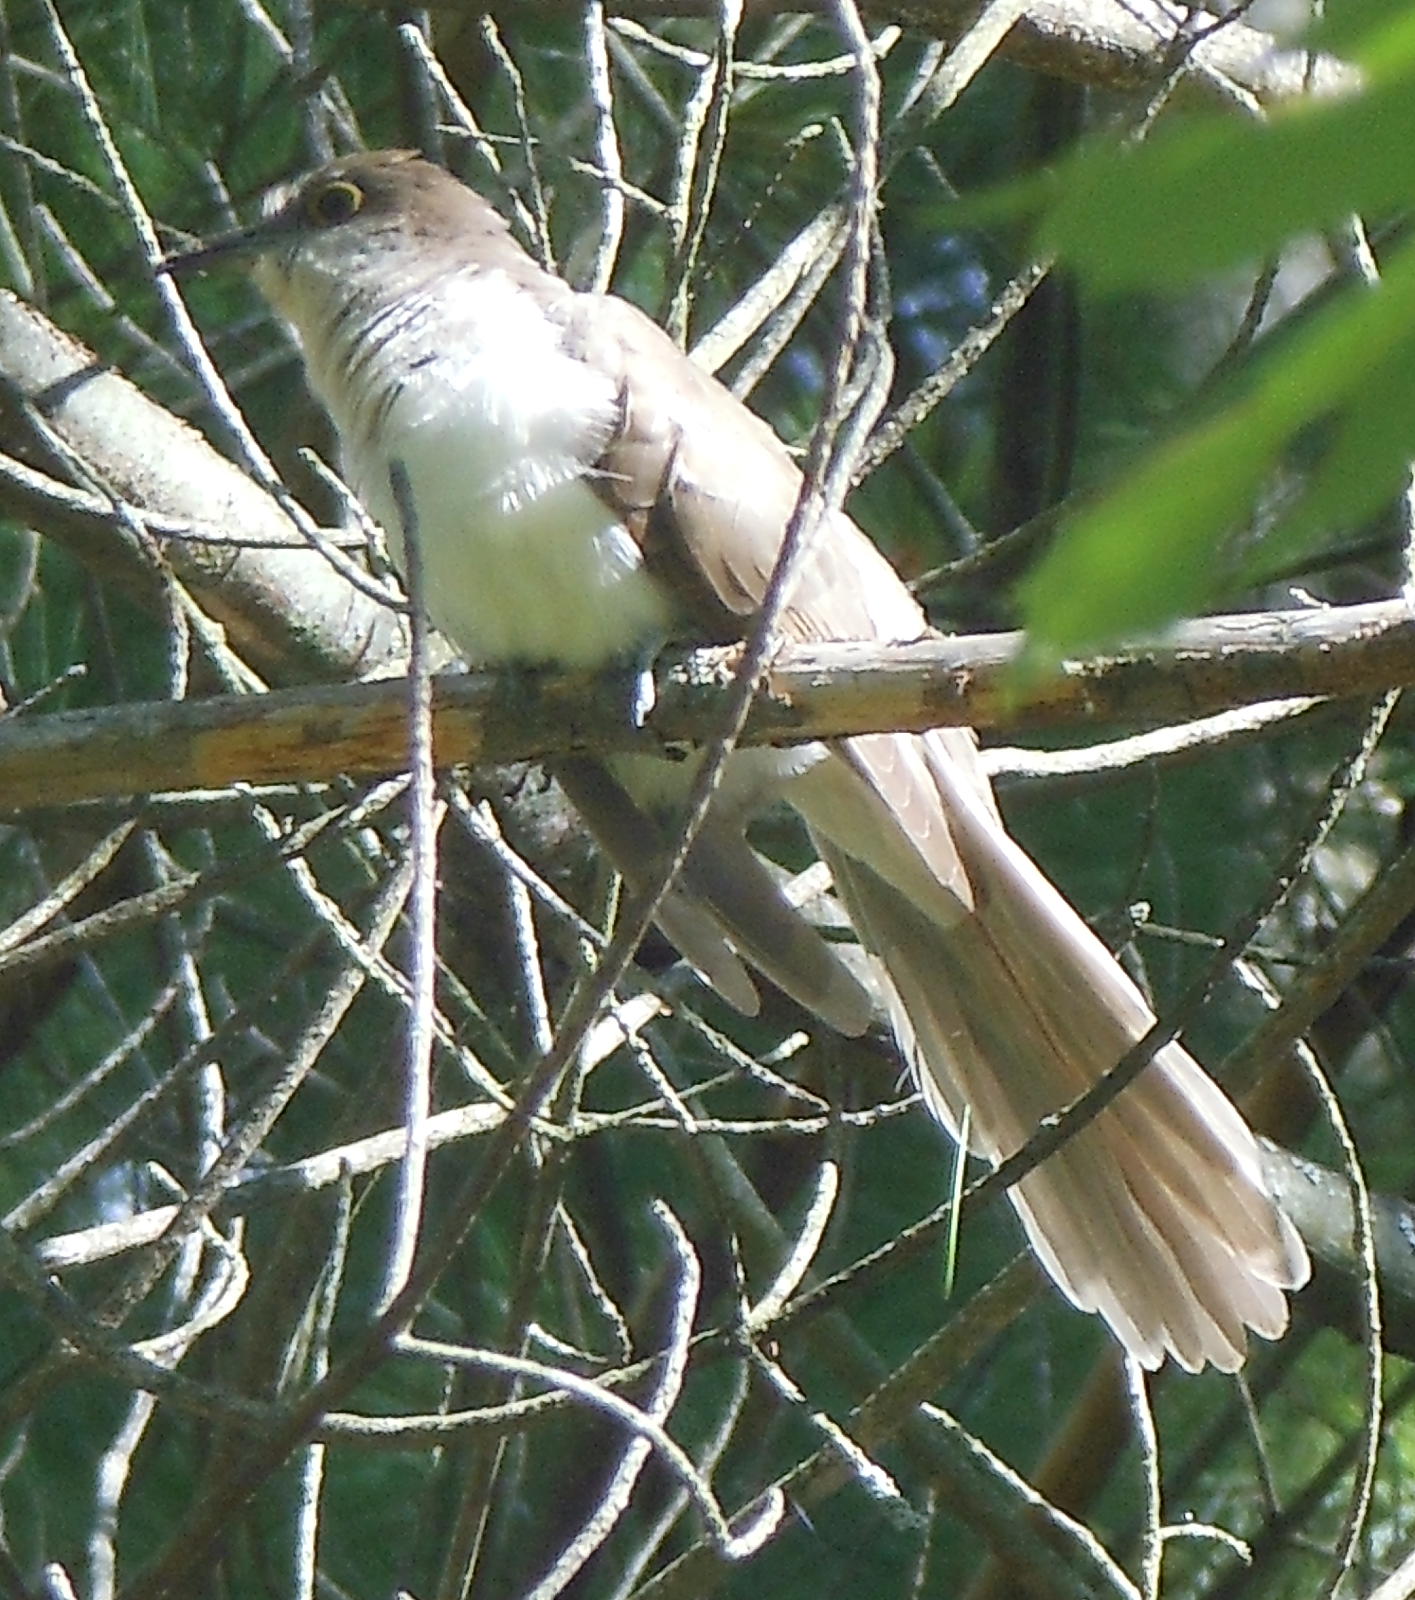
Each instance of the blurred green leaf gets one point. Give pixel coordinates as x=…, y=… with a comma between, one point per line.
x=1367, y=460
x=1152, y=547
x=1207, y=195
x=1370, y=32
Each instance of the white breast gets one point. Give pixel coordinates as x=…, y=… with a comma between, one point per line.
x=496, y=428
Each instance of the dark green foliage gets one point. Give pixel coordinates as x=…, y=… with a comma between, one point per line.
x=1180, y=477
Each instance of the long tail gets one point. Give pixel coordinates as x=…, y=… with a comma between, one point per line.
x=1156, y=1215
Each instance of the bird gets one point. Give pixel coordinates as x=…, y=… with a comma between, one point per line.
x=584, y=492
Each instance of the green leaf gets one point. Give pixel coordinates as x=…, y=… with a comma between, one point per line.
x=1152, y=547
x=1366, y=463
x=1210, y=194
x=1212, y=191
x=1375, y=33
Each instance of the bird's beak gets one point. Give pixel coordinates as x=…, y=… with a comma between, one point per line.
x=238, y=247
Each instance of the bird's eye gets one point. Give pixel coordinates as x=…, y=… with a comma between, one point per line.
x=334, y=203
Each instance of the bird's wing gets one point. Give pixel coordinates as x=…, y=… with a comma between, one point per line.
x=708, y=489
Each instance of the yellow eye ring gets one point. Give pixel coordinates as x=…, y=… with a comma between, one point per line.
x=333, y=203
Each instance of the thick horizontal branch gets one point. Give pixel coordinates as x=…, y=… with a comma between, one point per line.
x=1112, y=44
x=219, y=533
x=308, y=735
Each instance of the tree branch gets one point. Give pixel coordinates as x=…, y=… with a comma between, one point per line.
x=1112, y=44
x=312, y=734
x=212, y=527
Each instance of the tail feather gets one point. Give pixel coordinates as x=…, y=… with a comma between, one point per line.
x=1156, y=1214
